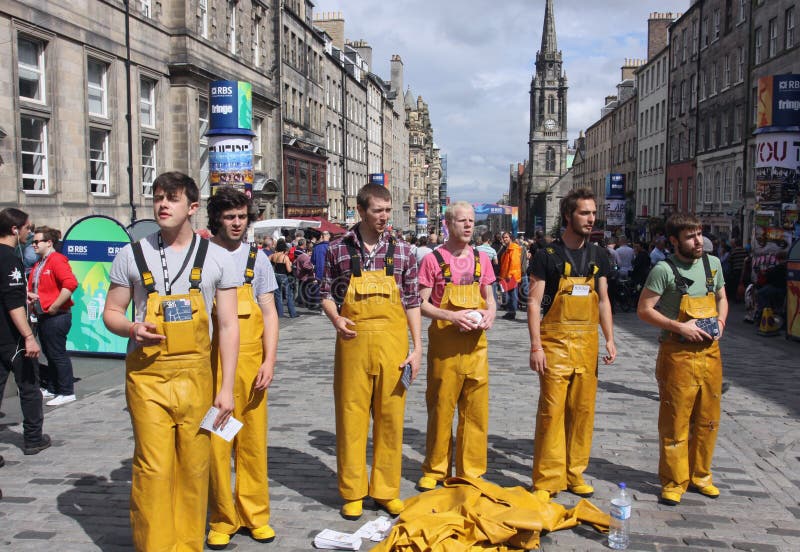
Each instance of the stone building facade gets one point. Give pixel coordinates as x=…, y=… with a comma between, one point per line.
x=682, y=110
x=65, y=153
x=624, y=134
x=303, y=100
x=721, y=117
x=424, y=166
x=653, y=90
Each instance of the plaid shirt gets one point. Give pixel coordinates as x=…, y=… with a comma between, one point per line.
x=337, y=267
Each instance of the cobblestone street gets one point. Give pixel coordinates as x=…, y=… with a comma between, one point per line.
x=74, y=496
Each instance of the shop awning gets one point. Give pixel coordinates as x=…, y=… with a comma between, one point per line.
x=325, y=224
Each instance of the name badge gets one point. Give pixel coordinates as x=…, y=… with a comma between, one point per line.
x=580, y=289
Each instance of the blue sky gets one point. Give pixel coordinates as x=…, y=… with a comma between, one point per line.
x=472, y=63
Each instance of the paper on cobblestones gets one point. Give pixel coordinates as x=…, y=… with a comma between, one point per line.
x=227, y=432
x=375, y=530
x=334, y=540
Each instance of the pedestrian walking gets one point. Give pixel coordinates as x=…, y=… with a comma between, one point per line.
x=50, y=289
x=230, y=212
x=569, y=282
x=685, y=297
x=374, y=279
x=455, y=283
x=18, y=347
x=169, y=386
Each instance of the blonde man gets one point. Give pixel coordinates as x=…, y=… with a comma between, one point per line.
x=456, y=291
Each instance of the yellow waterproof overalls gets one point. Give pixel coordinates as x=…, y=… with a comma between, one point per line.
x=689, y=379
x=248, y=506
x=458, y=375
x=168, y=390
x=367, y=379
x=565, y=417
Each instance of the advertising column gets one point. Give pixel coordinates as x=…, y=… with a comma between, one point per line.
x=615, y=202
x=230, y=135
x=777, y=167
x=422, y=217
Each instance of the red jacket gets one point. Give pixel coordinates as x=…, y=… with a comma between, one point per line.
x=55, y=276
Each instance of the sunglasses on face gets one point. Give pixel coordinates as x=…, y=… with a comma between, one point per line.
x=37, y=242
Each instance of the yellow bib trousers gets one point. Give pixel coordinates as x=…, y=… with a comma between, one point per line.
x=168, y=391
x=689, y=379
x=367, y=373
x=248, y=504
x=458, y=376
x=565, y=416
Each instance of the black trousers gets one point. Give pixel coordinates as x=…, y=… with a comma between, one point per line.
x=13, y=359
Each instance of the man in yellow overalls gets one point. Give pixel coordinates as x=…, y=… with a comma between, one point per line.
x=569, y=282
x=374, y=278
x=173, y=277
x=689, y=290
x=230, y=212
x=456, y=283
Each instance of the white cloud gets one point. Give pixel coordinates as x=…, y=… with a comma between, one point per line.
x=472, y=62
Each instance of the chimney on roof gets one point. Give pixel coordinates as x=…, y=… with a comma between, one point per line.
x=397, y=75
x=333, y=24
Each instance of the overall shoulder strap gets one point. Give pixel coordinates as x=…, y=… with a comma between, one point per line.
x=445, y=268
x=144, y=272
x=680, y=281
x=196, y=275
x=249, y=271
x=355, y=259
x=388, y=260
x=476, y=275
x=565, y=268
x=709, y=276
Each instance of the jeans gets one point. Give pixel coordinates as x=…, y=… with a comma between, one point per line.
x=13, y=359
x=284, y=293
x=53, y=330
x=512, y=300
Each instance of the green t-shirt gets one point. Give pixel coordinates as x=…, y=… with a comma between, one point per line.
x=661, y=281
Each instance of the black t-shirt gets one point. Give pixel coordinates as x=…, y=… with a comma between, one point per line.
x=549, y=267
x=13, y=293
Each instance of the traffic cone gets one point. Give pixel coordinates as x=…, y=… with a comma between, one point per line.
x=769, y=325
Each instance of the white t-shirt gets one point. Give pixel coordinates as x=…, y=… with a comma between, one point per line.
x=219, y=272
x=264, y=279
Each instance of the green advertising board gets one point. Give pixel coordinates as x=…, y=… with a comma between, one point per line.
x=91, y=245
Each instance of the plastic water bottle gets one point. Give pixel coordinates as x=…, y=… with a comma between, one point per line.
x=618, y=530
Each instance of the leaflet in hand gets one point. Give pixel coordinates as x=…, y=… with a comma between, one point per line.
x=227, y=432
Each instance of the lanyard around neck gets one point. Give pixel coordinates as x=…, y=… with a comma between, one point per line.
x=167, y=282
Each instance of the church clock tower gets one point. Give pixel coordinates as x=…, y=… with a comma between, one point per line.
x=547, y=142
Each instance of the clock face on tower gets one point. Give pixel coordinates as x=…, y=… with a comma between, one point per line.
x=550, y=124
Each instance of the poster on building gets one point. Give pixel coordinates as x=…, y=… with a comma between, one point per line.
x=382, y=179
x=778, y=103
x=615, y=212
x=777, y=169
x=230, y=162
x=615, y=186
x=91, y=245
x=231, y=105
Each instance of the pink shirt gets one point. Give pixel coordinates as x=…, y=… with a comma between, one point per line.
x=462, y=270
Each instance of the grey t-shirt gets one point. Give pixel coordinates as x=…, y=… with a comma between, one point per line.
x=264, y=277
x=219, y=272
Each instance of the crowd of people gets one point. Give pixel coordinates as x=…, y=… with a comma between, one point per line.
x=205, y=334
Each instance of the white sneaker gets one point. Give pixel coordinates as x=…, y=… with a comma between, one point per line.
x=61, y=399
x=46, y=394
